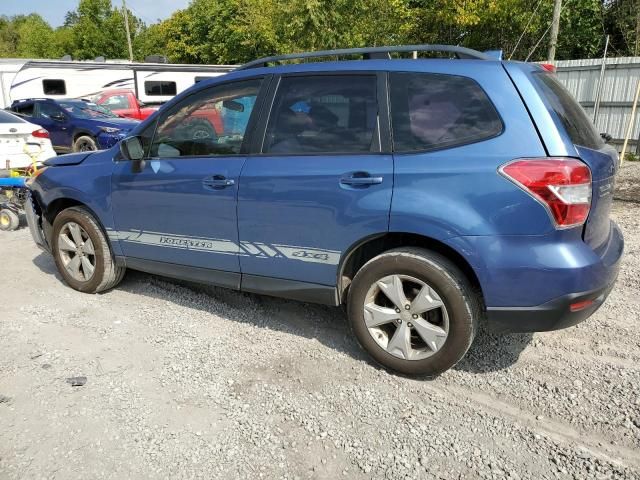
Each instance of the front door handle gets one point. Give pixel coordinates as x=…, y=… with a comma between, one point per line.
x=360, y=179
x=218, y=182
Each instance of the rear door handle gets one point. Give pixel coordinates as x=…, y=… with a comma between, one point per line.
x=360, y=179
x=218, y=182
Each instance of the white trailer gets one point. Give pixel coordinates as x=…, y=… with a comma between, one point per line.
x=8, y=69
x=153, y=83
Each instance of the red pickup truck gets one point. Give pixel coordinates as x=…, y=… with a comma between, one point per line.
x=123, y=103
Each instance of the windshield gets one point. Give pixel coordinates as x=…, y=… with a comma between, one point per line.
x=89, y=110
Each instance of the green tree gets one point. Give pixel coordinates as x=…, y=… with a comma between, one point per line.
x=95, y=29
x=622, y=21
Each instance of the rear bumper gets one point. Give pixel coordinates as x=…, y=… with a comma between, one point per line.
x=553, y=315
x=598, y=276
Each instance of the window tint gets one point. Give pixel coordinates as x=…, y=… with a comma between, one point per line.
x=433, y=111
x=24, y=109
x=576, y=122
x=324, y=114
x=54, y=87
x=160, y=88
x=6, y=117
x=210, y=122
x=48, y=110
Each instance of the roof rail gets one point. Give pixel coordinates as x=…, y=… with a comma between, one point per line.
x=31, y=99
x=370, y=53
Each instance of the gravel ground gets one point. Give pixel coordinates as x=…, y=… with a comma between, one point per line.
x=192, y=382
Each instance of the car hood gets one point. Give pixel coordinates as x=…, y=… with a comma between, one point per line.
x=69, y=159
x=121, y=123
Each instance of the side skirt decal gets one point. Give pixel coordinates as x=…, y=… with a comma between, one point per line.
x=226, y=247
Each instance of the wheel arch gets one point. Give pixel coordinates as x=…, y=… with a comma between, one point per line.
x=363, y=251
x=56, y=206
x=83, y=133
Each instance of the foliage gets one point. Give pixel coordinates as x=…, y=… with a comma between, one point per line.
x=234, y=31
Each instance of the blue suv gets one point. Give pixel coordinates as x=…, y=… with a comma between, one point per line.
x=75, y=125
x=424, y=195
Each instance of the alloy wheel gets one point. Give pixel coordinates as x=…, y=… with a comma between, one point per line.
x=406, y=317
x=77, y=252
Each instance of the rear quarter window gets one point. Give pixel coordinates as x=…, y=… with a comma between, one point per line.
x=574, y=119
x=434, y=111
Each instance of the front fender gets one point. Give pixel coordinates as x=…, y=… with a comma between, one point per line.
x=87, y=183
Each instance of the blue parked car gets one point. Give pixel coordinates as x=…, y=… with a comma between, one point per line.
x=422, y=194
x=75, y=125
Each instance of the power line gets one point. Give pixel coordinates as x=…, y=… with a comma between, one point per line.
x=537, y=43
x=525, y=29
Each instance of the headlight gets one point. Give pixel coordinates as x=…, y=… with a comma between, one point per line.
x=110, y=129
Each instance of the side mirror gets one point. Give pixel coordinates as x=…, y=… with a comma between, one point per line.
x=58, y=117
x=131, y=148
x=233, y=105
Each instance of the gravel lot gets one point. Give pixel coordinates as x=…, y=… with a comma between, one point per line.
x=192, y=382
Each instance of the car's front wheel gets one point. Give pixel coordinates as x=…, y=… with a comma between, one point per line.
x=82, y=253
x=413, y=311
x=84, y=143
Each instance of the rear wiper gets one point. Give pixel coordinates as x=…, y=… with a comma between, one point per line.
x=606, y=137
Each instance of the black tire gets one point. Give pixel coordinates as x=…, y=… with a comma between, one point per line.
x=454, y=289
x=84, y=143
x=9, y=220
x=106, y=274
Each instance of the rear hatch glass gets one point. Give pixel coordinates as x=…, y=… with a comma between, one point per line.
x=601, y=158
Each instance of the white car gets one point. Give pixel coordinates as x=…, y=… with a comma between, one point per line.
x=22, y=143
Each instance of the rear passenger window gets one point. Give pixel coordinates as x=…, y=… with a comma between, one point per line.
x=54, y=87
x=574, y=119
x=434, y=111
x=324, y=114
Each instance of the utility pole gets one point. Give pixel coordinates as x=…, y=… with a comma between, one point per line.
x=126, y=26
x=555, y=28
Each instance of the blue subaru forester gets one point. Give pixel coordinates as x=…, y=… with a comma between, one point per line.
x=423, y=194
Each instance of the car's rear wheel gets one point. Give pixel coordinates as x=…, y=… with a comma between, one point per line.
x=82, y=253
x=84, y=143
x=413, y=311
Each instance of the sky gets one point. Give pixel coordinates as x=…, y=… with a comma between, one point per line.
x=53, y=11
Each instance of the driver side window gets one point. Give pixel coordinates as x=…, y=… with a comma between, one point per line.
x=210, y=122
x=49, y=111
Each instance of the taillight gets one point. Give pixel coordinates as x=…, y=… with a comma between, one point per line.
x=549, y=67
x=562, y=185
x=40, y=133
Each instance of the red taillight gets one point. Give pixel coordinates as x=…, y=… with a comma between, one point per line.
x=563, y=185
x=40, y=133
x=549, y=67
x=577, y=306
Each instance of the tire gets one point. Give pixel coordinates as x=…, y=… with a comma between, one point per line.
x=105, y=274
x=9, y=220
x=84, y=143
x=427, y=343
